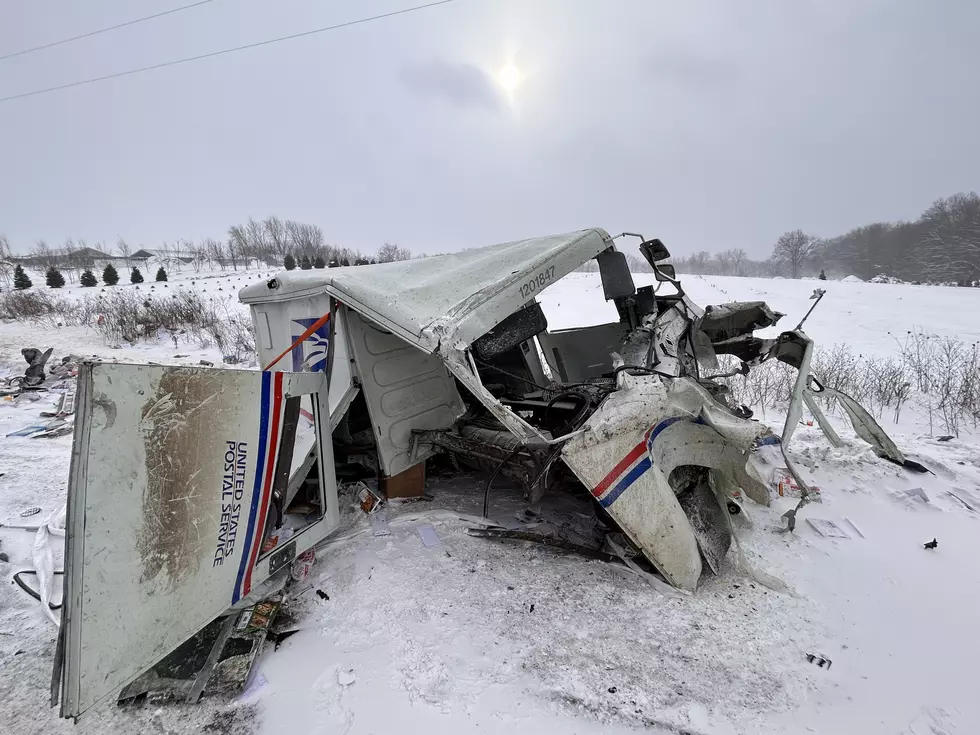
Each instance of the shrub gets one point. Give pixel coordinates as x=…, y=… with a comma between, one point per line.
x=21, y=279
x=319, y=262
x=289, y=263
x=110, y=277
x=88, y=278
x=305, y=264
x=53, y=278
x=136, y=276
x=161, y=274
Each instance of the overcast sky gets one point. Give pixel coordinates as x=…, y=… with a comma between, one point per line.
x=708, y=123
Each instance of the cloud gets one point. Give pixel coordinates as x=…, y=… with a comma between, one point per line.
x=462, y=85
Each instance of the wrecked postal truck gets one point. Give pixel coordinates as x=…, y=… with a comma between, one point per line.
x=192, y=490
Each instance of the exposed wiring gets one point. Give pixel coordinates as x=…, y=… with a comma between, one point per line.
x=488, y=366
x=580, y=415
x=486, y=493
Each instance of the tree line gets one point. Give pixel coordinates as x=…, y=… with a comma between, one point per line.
x=941, y=246
x=255, y=243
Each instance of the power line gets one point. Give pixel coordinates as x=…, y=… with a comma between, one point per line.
x=224, y=51
x=104, y=30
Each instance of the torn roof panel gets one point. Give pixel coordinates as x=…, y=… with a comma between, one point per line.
x=461, y=295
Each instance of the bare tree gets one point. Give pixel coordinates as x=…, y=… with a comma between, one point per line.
x=196, y=253
x=389, y=253
x=69, y=259
x=124, y=250
x=730, y=261
x=738, y=257
x=215, y=251
x=793, y=250
x=43, y=255
x=277, y=235
x=6, y=259
x=238, y=241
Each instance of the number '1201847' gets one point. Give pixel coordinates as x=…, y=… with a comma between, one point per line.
x=538, y=282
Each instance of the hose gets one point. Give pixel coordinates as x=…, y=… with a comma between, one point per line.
x=30, y=590
x=486, y=493
x=576, y=420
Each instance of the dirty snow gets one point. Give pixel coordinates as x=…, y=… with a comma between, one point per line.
x=434, y=640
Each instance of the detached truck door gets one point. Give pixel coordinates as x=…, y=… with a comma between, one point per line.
x=173, y=474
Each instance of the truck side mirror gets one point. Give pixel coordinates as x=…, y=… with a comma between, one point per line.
x=654, y=250
x=666, y=272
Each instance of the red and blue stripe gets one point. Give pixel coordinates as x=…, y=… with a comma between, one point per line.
x=633, y=466
x=271, y=412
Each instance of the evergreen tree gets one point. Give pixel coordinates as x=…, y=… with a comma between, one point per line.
x=109, y=275
x=136, y=276
x=345, y=263
x=290, y=262
x=305, y=264
x=823, y=276
x=88, y=278
x=53, y=278
x=161, y=274
x=21, y=279
x=333, y=263
x=319, y=262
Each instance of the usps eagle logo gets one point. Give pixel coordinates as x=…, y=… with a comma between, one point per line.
x=311, y=354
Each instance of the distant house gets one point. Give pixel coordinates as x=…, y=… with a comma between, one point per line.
x=145, y=254
x=80, y=258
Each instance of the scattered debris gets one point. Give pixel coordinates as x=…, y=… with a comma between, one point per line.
x=538, y=538
x=30, y=512
x=430, y=539
x=911, y=495
x=28, y=430
x=931, y=544
x=819, y=660
x=827, y=528
x=300, y=569
x=945, y=438
x=965, y=503
x=322, y=595
x=790, y=518
x=65, y=407
x=34, y=375
x=206, y=363
x=787, y=487
x=368, y=499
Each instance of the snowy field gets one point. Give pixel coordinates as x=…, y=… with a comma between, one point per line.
x=479, y=636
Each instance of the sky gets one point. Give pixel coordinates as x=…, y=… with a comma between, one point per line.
x=708, y=123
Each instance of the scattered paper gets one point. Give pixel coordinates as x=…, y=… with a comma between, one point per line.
x=826, y=528
x=429, y=536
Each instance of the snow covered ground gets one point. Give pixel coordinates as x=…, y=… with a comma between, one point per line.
x=483, y=636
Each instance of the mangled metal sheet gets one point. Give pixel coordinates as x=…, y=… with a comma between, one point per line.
x=170, y=489
x=459, y=296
